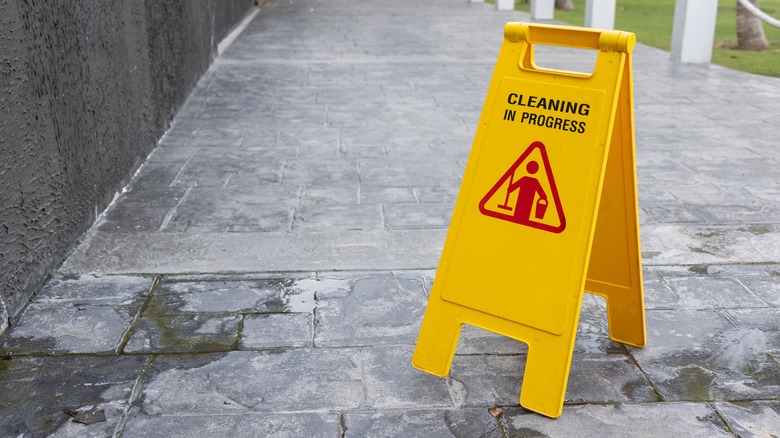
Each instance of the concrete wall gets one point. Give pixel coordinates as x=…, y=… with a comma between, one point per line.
x=87, y=88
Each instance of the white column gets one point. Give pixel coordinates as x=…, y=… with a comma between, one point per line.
x=693, y=33
x=505, y=5
x=476, y=1
x=600, y=14
x=542, y=9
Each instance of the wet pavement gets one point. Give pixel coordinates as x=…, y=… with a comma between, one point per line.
x=266, y=271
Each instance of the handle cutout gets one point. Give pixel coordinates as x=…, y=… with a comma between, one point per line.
x=558, y=59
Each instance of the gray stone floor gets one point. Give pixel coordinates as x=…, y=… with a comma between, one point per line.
x=266, y=272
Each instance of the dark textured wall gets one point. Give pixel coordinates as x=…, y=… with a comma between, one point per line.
x=87, y=87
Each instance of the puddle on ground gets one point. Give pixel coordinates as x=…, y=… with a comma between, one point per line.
x=698, y=269
x=739, y=349
x=242, y=296
x=732, y=365
x=757, y=229
x=182, y=334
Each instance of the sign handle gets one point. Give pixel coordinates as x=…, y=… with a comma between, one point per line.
x=574, y=37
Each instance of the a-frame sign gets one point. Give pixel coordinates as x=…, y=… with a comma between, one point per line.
x=547, y=209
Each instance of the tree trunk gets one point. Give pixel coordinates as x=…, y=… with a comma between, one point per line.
x=750, y=32
x=565, y=5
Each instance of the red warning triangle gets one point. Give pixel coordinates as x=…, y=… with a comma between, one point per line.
x=526, y=193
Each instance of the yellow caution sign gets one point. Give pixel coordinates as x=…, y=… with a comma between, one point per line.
x=547, y=210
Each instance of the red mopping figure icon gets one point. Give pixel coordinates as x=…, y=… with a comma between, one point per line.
x=528, y=184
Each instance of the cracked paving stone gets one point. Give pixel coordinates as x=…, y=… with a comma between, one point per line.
x=52, y=384
x=751, y=419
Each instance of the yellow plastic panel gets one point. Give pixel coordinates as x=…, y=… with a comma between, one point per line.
x=531, y=201
x=615, y=269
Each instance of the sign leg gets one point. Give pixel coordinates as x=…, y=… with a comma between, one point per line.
x=438, y=338
x=626, y=315
x=546, y=375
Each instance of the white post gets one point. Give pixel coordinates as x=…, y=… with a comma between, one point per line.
x=693, y=33
x=505, y=5
x=542, y=9
x=600, y=14
x=477, y=1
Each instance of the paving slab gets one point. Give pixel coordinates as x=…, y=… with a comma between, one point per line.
x=391, y=382
x=751, y=419
x=271, y=425
x=761, y=324
x=102, y=290
x=279, y=330
x=418, y=215
x=597, y=378
x=644, y=420
x=295, y=380
x=658, y=295
x=67, y=313
x=767, y=288
x=213, y=296
x=713, y=292
x=183, y=334
x=50, y=385
x=682, y=244
x=434, y=423
x=180, y=253
x=69, y=328
x=381, y=309
x=704, y=356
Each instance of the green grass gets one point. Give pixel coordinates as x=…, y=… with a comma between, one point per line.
x=652, y=20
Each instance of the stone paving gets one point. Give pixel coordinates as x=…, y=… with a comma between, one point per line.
x=266, y=271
